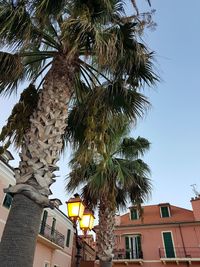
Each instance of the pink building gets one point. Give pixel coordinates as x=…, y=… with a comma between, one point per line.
x=55, y=239
x=163, y=235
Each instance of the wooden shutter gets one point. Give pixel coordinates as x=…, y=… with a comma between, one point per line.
x=127, y=247
x=165, y=212
x=134, y=214
x=138, y=246
x=169, y=248
x=68, y=237
x=53, y=226
x=7, y=201
x=44, y=220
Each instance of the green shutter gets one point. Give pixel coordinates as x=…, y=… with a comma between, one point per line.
x=44, y=220
x=165, y=212
x=7, y=201
x=134, y=214
x=53, y=226
x=68, y=237
x=169, y=248
x=138, y=246
x=127, y=247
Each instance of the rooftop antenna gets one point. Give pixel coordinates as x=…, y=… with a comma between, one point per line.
x=194, y=189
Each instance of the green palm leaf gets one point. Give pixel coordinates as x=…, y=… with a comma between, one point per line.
x=11, y=72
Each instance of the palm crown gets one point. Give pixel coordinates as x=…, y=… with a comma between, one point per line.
x=116, y=171
x=104, y=48
x=93, y=32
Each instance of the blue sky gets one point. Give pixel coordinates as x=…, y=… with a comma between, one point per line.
x=172, y=124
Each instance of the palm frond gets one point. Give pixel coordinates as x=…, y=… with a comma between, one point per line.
x=16, y=25
x=19, y=120
x=49, y=9
x=131, y=148
x=11, y=72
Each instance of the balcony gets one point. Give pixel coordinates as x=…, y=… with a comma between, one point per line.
x=128, y=256
x=180, y=254
x=51, y=237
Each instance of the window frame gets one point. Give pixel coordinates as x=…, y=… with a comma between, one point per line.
x=136, y=212
x=163, y=241
x=7, y=195
x=68, y=238
x=129, y=250
x=53, y=227
x=43, y=222
x=168, y=209
x=48, y=264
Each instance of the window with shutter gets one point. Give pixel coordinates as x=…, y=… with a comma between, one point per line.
x=165, y=211
x=134, y=214
x=133, y=247
x=168, y=243
x=7, y=201
x=127, y=247
x=53, y=227
x=68, y=237
x=43, y=223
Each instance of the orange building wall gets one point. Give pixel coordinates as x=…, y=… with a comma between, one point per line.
x=182, y=224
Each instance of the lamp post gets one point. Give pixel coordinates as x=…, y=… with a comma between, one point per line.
x=77, y=212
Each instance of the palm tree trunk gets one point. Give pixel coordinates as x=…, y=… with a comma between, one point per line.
x=19, y=238
x=40, y=152
x=105, y=241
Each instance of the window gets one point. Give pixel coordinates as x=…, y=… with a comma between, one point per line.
x=68, y=237
x=164, y=211
x=168, y=245
x=46, y=264
x=43, y=224
x=134, y=214
x=7, y=201
x=133, y=247
x=53, y=226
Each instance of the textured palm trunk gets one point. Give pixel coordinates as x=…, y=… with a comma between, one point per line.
x=19, y=239
x=40, y=152
x=105, y=235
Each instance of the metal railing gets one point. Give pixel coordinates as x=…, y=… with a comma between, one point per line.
x=52, y=235
x=127, y=254
x=179, y=252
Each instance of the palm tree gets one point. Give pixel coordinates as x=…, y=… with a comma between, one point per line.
x=59, y=47
x=111, y=177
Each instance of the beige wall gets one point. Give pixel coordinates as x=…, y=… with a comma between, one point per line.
x=42, y=254
x=6, y=178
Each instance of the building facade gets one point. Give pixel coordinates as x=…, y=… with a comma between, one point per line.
x=160, y=235
x=56, y=233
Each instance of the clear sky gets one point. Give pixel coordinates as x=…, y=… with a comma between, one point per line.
x=172, y=125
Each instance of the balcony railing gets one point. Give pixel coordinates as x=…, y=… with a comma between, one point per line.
x=180, y=252
x=127, y=254
x=52, y=235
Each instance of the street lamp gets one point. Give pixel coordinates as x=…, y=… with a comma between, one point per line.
x=75, y=208
x=87, y=221
x=77, y=212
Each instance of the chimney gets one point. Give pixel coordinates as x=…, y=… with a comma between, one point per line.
x=195, y=201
